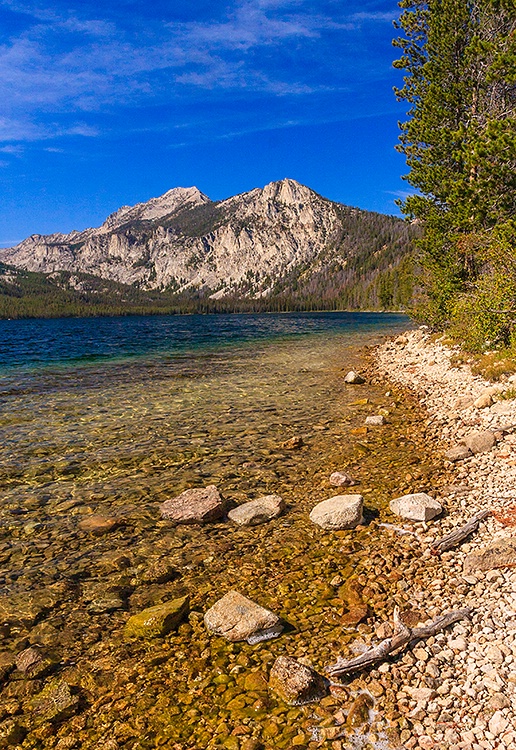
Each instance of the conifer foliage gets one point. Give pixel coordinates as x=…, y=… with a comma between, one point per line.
x=459, y=59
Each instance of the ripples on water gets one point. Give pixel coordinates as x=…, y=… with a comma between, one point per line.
x=113, y=416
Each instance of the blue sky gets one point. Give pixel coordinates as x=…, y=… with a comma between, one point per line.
x=106, y=104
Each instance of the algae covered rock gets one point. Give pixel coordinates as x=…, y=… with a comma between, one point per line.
x=257, y=511
x=296, y=683
x=339, y=512
x=237, y=618
x=198, y=505
x=157, y=621
x=54, y=703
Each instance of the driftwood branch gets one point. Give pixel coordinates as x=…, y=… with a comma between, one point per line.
x=458, y=535
x=401, y=638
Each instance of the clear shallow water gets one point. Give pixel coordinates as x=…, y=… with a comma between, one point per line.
x=113, y=416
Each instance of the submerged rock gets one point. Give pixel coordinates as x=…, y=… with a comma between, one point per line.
x=98, y=525
x=257, y=511
x=360, y=711
x=199, y=505
x=375, y=420
x=293, y=443
x=11, y=733
x=35, y=662
x=417, y=507
x=7, y=664
x=54, y=703
x=237, y=618
x=295, y=683
x=354, y=378
x=339, y=512
x=341, y=479
x=157, y=621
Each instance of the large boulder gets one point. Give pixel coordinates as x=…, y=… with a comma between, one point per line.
x=257, y=511
x=339, y=512
x=237, y=618
x=198, y=505
x=295, y=683
x=157, y=621
x=480, y=441
x=498, y=554
x=417, y=507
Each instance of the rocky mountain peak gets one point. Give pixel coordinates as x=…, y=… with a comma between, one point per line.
x=156, y=208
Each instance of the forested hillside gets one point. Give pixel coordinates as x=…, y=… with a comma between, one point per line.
x=459, y=60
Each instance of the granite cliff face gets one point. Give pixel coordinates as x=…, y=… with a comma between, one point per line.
x=183, y=241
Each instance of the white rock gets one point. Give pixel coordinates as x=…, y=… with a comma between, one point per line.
x=416, y=507
x=257, y=511
x=375, y=420
x=339, y=512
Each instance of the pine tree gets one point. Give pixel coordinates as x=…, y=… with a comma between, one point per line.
x=459, y=57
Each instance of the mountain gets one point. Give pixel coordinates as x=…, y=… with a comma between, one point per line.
x=281, y=242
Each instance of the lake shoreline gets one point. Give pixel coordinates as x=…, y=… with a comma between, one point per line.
x=473, y=700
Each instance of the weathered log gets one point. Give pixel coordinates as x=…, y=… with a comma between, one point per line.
x=456, y=536
x=403, y=635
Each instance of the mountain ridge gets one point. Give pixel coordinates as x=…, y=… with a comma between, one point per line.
x=283, y=239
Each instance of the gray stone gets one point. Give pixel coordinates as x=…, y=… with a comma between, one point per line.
x=499, y=554
x=375, y=420
x=480, y=441
x=295, y=683
x=257, y=511
x=237, y=618
x=200, y=505
x=458, y=453
x=341, y=479
x=354, y=378
x=339, y=512
x=417, y=507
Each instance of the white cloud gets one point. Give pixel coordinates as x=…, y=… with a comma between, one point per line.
x=65, y=64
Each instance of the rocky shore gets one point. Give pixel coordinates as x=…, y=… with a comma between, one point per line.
x=469, y=702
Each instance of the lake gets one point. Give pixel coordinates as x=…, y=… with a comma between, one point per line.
x=112, y=416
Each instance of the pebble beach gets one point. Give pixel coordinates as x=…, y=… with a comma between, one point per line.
x=472, y=703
